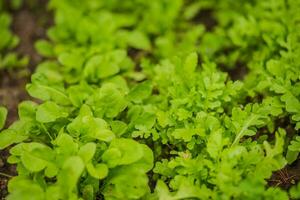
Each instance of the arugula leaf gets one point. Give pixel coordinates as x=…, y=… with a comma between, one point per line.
x=293, y=149
x=215, y=144
x=190, y=63
x=294, y=191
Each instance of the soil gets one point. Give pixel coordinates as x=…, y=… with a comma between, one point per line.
x=206, y=18
x=286, y=177
x=30, y=23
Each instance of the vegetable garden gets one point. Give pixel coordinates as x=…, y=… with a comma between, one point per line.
x=150, y=100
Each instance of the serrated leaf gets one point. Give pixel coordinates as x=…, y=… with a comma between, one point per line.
x=214, y=144
x=190, y=63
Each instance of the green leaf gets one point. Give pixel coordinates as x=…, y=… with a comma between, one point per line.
x=49, y=112
x=138, y=40
x=214, y=144
x=291, y=102
x=33, y=163
x=122, y=152
x=66, y=143
x=108, y=101
x=87, y=151
x=69, y=175
x=245, y=120
x=44, y=48
x=140, y=92
x=291, y=156
x=100, y=171
x=104, y=65
x=23, y=188
x=104, y=135
x=146, y=162
x=190, y=63
x=295, y=144
x=9, y=137
x=3, y=114
x=295, y=191
x=118, y=186
x=186, y=190
x=275, y=68
x=79, y=93
x=35, y=156
x=53, y=193
x=71, y=59
x=118, y=127
x=27, y=110
x=41, y=88
x=87, y=125
x=293, y=150
x=145, y=121
x=184, y=134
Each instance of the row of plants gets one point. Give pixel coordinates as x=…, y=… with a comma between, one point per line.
x=141, y=100
x=9, y=59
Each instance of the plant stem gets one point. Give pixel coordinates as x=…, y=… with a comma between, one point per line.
x=6, y=175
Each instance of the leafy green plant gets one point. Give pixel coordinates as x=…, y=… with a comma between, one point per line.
x=8, y=58
x=135, y=102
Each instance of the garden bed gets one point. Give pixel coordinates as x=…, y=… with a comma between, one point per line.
x=159, y=100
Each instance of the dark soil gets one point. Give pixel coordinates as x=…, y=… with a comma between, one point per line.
x=6, y=172
x=206, y=18
x=286, y=177
x=11, y=94
x=30, y=24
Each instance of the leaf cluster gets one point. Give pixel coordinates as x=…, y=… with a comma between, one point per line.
x=137, y=102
